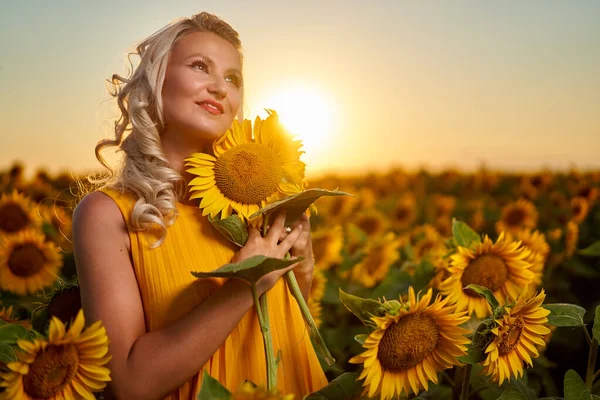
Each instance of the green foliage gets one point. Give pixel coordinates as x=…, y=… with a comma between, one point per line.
x=575, y=389
x=249, y=270
x=345, y=386
x=212, y=390
x=364, y=309
x=592, y=250
x=463, y=235
x=296, y=204
x=361, y=338
x=563, y=314
x=512, y=393
x=424, y=273
x=9, y=335
x=482, y=337
x=596, y=327
x=487, y=294
x=232, y=228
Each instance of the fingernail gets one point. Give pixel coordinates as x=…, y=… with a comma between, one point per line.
x=300, y=226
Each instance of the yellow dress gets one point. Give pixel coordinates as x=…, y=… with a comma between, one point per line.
x=169, y=292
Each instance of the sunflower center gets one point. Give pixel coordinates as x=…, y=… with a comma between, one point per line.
x=515, y=217
x=66, y=304
x=369, y=225
x=486, y=270
x=510, y=338
x=26, y=260
x=13, y=218
x=424, y=248
x=407, y=342
x=375, y=260
x=248, y=173
x=402, y=213
x=52, y=370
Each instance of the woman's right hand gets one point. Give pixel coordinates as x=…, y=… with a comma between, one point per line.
x=275, y=244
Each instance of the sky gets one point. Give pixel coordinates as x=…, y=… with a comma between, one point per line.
x=513, y=85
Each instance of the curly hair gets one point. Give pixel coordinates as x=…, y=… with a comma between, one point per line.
x=144, y=169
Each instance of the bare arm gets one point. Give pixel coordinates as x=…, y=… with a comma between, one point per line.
x=152, y=365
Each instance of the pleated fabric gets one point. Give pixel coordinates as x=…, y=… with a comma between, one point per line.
x=169, y=292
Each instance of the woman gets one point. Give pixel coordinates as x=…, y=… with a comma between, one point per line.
x=164, y=325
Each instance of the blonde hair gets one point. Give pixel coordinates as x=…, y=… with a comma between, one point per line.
x=144, y=170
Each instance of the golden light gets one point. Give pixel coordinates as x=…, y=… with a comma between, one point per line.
x=308, y=114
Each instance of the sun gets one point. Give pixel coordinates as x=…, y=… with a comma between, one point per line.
x=307, y=113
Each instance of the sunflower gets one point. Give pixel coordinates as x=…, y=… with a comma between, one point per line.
x=407, y=350
x=426, y=243
x=405, y=213
x=28, y=263
x=517, y=215
x=245, y=173
x=316, y=310
x=68, y=365
x=338, y=208
x=571, y=238
x=516, y=336
x=7, y=315
x=579, y=209
x=381, y=253
x=501, y=267
x=372, y=222
x=17, y=213
x=317, y=287
x=536, y=243
x=441, y=205
x=327, y=246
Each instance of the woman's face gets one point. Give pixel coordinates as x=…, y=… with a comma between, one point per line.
x=202, y=89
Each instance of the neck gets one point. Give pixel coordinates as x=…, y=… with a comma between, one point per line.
x=177, y=150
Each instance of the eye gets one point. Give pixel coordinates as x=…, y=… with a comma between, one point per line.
x=200, y=65
x=235, y=80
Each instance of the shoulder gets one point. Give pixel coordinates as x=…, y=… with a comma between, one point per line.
x=97, y=215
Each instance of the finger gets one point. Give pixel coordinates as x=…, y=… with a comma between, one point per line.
x=252, y=232
x=276, y=227
x=291, y=238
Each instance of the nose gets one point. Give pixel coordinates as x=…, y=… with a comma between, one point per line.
x=218, y=87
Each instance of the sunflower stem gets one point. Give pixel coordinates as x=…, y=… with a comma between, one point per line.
x=263, y=319
x=464, y=393
x=588, y=338
x=589, y=376
x=310, y=322
x=597, y=374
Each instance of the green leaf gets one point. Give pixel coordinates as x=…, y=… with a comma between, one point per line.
x=7, y=353
x=345, y=386
x=232, y=228
x=364, y=309
x=512, y=393
x=596, y=327
x=479, y=342
x=296, y=204
x=12, y=332
x=250, y=270
x=591, y=250
x=212, y=390
x=575, y=389
x=463, y=235
x=564, y=314
x=486, y=293
x=361, y=338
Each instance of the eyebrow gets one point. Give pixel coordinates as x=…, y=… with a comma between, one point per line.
x=212, y=63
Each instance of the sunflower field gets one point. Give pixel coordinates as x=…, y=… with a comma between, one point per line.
x=427, y=285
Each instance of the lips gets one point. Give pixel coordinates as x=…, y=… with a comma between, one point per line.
x=211, y=106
